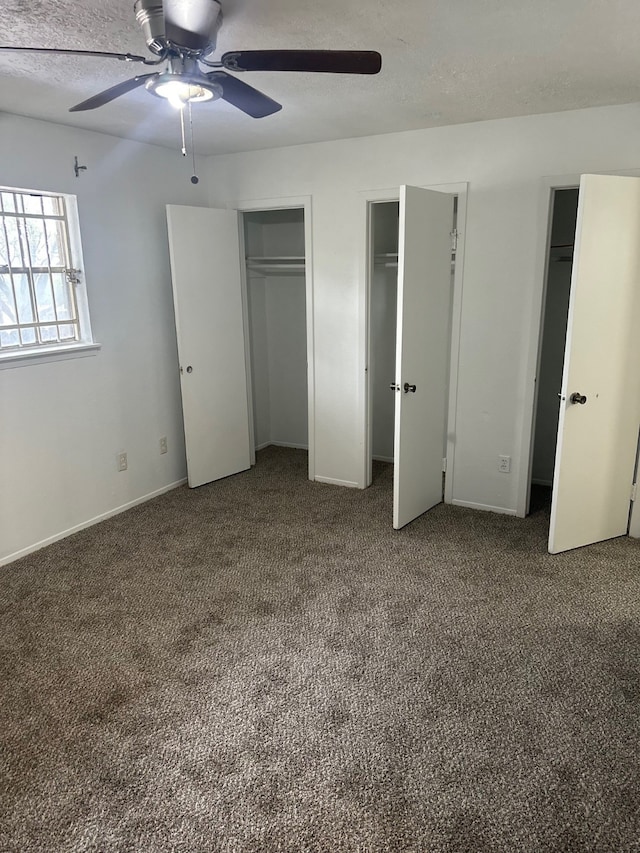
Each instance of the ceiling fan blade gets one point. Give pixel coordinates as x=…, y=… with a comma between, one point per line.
x=330, y=61
x=244, y=97
x=191, y=23
x=126, y=57
x=111, y=94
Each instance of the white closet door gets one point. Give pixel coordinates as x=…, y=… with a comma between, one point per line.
x=205, y=270
x=422, y=350
x=597, y=439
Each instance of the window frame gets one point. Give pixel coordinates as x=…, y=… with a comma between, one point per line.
x=59, y=350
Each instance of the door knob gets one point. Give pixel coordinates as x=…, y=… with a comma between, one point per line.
x=408, y=388
x=189, y=369
x=578, y=398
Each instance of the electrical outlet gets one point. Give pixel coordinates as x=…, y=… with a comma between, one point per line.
x=504, y=464
x=122, y=461
x=163, y=444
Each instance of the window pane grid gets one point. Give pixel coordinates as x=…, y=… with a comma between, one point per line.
x=34, y=242
x=60, y=217
x=8, y=299
x=26, y=262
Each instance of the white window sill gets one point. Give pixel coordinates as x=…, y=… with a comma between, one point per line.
x=43, y=355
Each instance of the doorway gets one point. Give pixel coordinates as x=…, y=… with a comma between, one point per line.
x=557, y=289
x=383, y=309
x=211, y=302
x=383, y=316
x=410, y=296
x=274, y=248
x=597, y=415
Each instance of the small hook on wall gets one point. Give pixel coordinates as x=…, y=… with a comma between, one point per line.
x=77, y=168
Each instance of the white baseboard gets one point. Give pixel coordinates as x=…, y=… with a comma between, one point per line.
x=91, y=521
x=331, y=481
x=293, y=446
x=281, y=444
x=485, y=507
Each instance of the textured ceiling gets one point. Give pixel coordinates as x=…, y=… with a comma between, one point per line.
x=444, y=62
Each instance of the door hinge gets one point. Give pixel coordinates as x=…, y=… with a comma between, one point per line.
x=634, y=491
x=454, y=239
x=444, y=464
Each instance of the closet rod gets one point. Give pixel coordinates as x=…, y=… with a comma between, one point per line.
x=275, y=258
x=264, y=266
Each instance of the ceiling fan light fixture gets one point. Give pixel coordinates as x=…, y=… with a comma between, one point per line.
x=181, y=92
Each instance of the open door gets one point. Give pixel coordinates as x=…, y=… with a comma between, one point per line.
x=207, y=295
x=600, y=396
x=422, y=350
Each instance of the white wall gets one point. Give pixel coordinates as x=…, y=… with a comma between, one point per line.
x=62, y=424
x=503, y=162
x=278, y=346
x=259, y=355
x=287, y=359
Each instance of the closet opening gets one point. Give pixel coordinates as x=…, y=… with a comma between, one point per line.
x=382, y=328
x=383, y=309
x=276, y=328
x=557, y=289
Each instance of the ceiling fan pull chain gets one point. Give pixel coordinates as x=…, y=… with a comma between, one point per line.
x=184, y=144
x=194, y=177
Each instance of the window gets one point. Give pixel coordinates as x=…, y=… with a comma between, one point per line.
x=43, y=304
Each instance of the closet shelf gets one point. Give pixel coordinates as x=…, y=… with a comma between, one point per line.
x=275, y=263
x=390, y=260
x=386, y=259
x=562, y=252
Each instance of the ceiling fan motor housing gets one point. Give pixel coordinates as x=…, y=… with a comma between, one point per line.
x=191, y=25
x=150, y=16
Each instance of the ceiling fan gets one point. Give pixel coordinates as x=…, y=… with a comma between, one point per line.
x=182, y=35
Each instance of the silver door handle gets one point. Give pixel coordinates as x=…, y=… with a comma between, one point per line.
x=578, y=398
x=408, y=388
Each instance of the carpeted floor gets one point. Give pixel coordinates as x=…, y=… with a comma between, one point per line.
x=263, y=664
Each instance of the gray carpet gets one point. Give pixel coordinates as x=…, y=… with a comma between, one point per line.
x=263, y=664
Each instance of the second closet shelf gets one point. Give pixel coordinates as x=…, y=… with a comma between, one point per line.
x=386, y=259
x=390, y=259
